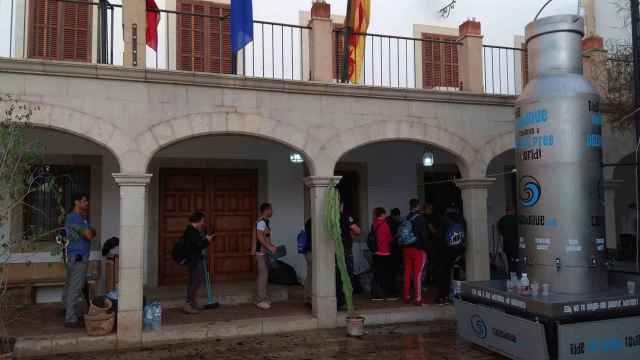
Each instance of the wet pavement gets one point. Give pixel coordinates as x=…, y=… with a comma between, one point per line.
x=432, y=340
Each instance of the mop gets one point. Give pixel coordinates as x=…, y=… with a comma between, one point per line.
x=211, y=304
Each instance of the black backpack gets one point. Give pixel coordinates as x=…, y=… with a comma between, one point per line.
x=455, y=236
x=179, y=253
x=372, y=240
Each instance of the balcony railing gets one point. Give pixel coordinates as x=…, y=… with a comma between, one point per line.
x=396, y=61
x=504, y=70
x=197, y=37
x=191, y=41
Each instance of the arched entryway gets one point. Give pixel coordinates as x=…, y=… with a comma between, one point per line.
x=75, y=164
x=227, y=176
x=388, y=174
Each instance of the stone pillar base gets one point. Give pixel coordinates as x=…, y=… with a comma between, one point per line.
x=129, y=328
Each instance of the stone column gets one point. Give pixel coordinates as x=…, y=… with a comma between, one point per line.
x=474, y=198
x=132, y=229
x=323, y=254
x=134, y=23
x=610, y=187
x=471, y=56
x=320, y=45
x=594, y=63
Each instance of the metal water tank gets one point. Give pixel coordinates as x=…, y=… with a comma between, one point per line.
x=558, y=150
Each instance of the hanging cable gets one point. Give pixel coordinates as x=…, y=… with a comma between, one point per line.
x=541, y=9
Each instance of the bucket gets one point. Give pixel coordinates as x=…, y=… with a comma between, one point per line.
x=355, y=326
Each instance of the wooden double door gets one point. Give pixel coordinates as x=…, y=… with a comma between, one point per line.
x=229, y=200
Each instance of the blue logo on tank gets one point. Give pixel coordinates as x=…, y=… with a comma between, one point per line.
x=478, y=326
x=530, y=191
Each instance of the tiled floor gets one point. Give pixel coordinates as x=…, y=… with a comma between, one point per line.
x=47, y=319
x=434, y=340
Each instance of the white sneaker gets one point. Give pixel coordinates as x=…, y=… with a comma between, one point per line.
x=263, y=305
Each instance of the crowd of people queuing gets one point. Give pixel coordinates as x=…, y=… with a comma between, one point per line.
x=406, y=244
x=401, y=247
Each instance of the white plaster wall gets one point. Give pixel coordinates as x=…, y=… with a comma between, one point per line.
x=391, y=174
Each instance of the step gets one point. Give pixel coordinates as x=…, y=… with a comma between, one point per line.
x=228, y=293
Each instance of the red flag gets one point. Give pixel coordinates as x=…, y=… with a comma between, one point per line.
x=153, y=19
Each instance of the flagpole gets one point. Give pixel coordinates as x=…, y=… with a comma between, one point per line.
x=347, y=35
x=234, y=63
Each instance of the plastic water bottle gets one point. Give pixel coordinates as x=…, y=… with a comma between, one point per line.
x=525, y=286
x=157, y=316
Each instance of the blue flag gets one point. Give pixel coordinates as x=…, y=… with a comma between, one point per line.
x=241, y=24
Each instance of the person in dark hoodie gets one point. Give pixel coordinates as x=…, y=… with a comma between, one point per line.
x=415, y=255
x=394, y=220
x=452, y=245
x=196, y=240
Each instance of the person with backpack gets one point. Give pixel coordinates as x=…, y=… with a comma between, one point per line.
x=381, y=288
x=452, y=245
x=195, y=241
x=414, y=236
x=262, y=245
x=394, y=220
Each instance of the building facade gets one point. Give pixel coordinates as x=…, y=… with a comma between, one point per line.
x=152, y=140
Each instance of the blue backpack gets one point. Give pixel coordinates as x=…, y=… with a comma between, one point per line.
x=304, y=245
x=456, y=235
x=405, y=234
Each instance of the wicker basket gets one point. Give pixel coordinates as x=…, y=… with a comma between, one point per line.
x=99, y=321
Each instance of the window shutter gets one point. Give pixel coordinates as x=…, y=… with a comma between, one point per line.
x=214, y=45
x=451, y=69
x=338, y=47
x=430, y=62
x=76, y=31
x=191, y=47
x=44, y=31
x=185, y=36
x=199, y=47
x=227, y=54
x=60, y=31
x=440, y=61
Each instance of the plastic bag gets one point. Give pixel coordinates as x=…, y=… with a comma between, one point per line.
x=152, y=316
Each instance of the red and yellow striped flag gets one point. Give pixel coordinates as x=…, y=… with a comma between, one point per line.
x=358, y=15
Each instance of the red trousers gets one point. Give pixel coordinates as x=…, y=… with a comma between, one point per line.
x=414, y=260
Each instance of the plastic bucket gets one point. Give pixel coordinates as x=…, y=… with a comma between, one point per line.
x=355, y=326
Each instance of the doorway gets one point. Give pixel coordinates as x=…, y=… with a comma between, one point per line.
x=229, y=199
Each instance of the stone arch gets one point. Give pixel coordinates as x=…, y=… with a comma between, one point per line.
x=172, y=131
x=396, y=130
x=493, y=148
x=94, y=129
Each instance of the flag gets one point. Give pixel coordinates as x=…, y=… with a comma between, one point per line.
x=357, y=20
x=241, y=24
x=153, y=19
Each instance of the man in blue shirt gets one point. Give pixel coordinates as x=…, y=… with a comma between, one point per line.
x=79, y=235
